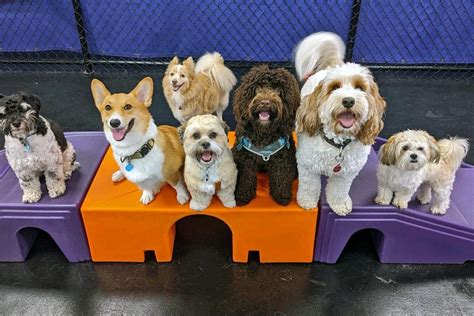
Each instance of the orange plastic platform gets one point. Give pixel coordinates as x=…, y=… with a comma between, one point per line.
x=119, y=228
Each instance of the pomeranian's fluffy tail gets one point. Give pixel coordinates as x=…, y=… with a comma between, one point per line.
x=213, y=65
x=318, y=51
x=452, y=151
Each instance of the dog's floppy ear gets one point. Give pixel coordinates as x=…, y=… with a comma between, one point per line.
x=189, y=62
x=387, y=152
x=307, y=114
x=224, y=126
x=144, y=91
x=99, y=92
x=181, y=130
x=34, y=101
x=434, y=154
x=374, y=124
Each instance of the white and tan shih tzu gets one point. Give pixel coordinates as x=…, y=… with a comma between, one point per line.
x=338, y=120
x=209, y=167
x=413, y=160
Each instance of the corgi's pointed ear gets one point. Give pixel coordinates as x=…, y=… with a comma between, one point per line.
x=189, y=62
x=144, y=91
x=99, y=92
x=174, y=61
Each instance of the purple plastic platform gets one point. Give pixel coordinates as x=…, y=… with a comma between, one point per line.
x=410, y=236
x=61, y=217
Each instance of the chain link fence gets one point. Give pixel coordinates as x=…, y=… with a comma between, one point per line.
x=401, y=37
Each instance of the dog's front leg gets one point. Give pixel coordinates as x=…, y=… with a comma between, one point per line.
x=199, y=200
x=31, y=187
x=55, y=182
x=424, y=193
x=337, y=194
x=226, y=195
x=246, y=181
x=402, y=197
x=281, y=182
x=309, y=188
x=384, y=195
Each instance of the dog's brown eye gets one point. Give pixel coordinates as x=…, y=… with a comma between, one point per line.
x=335, y=87
x=213, y=135
x=108, y=107
x=420, y=148
x=405, y=148
x=182, y=75
x=127, y=107
x=196, y=135
x=172, y=74
x=359, y=87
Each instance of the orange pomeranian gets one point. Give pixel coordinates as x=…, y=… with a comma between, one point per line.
x=201, y=88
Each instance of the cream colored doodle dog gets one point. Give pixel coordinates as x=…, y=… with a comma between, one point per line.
x=209, y=167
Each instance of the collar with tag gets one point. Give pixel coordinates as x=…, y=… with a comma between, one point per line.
x=25, y=143
x=139, y=154
x=339, y=157
x=267, y=151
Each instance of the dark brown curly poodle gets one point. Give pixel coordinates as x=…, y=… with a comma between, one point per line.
x=264, y=106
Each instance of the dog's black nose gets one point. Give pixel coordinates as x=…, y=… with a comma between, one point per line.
x=265, y=102
x=16, y=124
x=348, y=102
x=205, y=145
x=174, y=81
x=413, y=156
x=115, y=123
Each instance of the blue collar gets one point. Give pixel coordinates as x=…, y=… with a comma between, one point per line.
x=267, y=151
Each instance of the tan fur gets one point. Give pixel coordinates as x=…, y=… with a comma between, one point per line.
x=307, y=115
x=374, y=125
x=200, y=94
x=168, y=141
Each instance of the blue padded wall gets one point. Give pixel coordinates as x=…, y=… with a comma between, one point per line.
x=34, y=25
x=412, y=32
x=241, y=30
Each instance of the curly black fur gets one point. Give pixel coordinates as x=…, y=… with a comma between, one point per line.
x=283, y=91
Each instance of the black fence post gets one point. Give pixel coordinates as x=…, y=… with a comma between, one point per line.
x=353, y=29
x=82, y=35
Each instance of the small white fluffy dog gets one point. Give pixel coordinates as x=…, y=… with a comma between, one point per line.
x=35, y=146
x=209, y=167
x=414, y=159
x=338, y=120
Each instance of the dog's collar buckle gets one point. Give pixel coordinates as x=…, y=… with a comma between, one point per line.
x=25, y=143
x=339, y=157
x=267, y=151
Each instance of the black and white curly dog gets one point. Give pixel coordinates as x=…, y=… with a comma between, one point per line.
x=34, y=147
x=264, y=107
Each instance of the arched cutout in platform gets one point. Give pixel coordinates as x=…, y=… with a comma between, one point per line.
x=364, y=242
x=203, y=236
x=33, y=240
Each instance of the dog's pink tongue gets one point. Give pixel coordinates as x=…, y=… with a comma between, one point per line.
x=264, y=116
x=346, y=119
x=118, y=133
x=206, y=156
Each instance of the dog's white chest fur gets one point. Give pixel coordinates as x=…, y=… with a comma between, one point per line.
x=43, y=152
x=178, y=104
x=320, y=157
x=394, y=178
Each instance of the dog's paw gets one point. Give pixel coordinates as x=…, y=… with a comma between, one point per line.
x=283, y=199
x=182, y=197
x=55, y=193
x=382, y=200
x=342, y=208
x=146, y=197
x=306, y=203
x=423, y=199
x=229, y=203
x=400, y=203
x=242, y=199
x=438, y=210
x=197, y=206
x=31, y=197
x=118, y=176
x=76, y=166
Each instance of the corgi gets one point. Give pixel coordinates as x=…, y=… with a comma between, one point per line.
x=198, y=89
x=147, y=155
